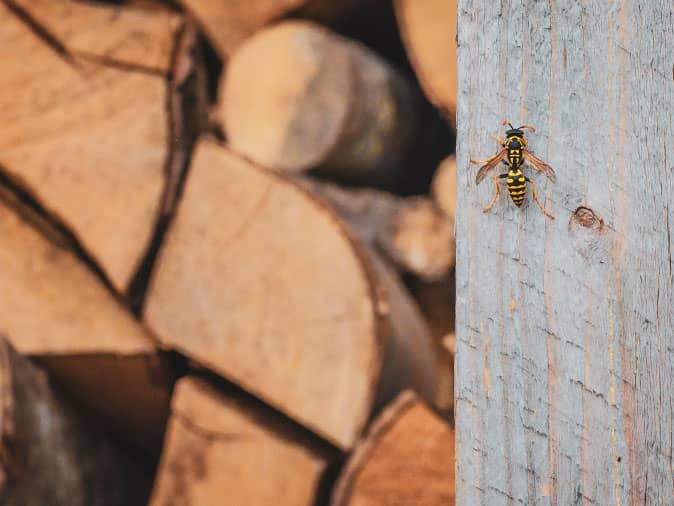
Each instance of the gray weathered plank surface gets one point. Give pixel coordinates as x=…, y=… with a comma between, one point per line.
x=565, y=355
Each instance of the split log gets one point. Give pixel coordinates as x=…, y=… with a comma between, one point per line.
x=444, y=187
x=297, y=96
x=89, y=150
x=263, y=284
x=223, y=449
x=410, y=232
x=229, y=22
x=407, y=458
x=50, y=454
x=56, y=310
x=428, y=28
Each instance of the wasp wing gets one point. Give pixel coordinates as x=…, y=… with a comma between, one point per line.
x=489, y=165
x=540, y=165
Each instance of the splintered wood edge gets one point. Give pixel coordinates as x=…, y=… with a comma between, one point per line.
x=361, y=454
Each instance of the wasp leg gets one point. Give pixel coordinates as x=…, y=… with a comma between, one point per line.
x=534, y=193
x=497, y=194
x=498, y=139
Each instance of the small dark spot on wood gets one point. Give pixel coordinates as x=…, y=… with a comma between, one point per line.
x=619, y=459
x=588, y=233
x=587, y=218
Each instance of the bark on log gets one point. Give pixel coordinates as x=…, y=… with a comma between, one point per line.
x=410, y=232
x=222, y=449
x=297, y=96
x=49, y=453
x=428, y=28
x=263, y=284
x=54, y=309
x=565, y=362
x=407, y=458
x=91, y=152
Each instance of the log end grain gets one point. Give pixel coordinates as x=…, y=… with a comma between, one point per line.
x=263, y=284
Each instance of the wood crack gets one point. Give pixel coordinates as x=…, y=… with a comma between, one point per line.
x=41, y=31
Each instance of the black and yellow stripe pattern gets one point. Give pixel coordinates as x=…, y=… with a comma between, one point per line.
x=517, y=185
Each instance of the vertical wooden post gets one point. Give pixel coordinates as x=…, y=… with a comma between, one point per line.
x=565, y=353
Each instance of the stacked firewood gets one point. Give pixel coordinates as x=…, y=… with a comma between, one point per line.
x=226, y=252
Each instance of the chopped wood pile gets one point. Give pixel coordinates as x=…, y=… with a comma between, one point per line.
x=226, y=252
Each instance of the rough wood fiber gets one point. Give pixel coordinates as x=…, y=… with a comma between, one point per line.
x=54, y=309
x=87, y=140
x=262, y=283
x=50, y=453
x=406, y=459
x=565, y=363
x=222, y=449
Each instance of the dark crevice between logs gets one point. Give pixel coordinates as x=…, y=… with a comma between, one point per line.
x=186, y=103
x=296, y=433
x=27, y=206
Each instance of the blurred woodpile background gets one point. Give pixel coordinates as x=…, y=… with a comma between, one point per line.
x=227, y=252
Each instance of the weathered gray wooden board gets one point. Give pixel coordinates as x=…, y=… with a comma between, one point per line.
x=565, y=354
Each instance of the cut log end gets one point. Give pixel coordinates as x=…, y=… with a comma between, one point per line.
x=221, y=449
x=407, y=458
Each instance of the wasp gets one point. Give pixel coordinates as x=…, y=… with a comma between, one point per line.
x=514, y=153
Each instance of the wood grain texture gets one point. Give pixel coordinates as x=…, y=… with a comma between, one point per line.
x=263, y=283
x=87, y=140
x=565, y=363
x=140, y=38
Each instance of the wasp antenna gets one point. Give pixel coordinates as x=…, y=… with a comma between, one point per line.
x=527, y=127
x=507, y=122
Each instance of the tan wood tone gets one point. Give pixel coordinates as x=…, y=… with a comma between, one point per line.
x=262, y=283
x=138, y=37
x=229, y=22
x=221, y=449
x=51, y=454
x=444, y=186
x=54, y=309
x=407, y=458
x=298, y=96
x=413, y=233
x=428, y=28
x=87, y=140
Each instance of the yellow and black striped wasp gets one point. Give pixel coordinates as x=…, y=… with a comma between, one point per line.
x=514, y=153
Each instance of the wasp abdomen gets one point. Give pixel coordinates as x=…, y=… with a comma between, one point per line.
x=517, y=186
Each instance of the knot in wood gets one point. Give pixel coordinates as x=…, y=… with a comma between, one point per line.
x=587, y=218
